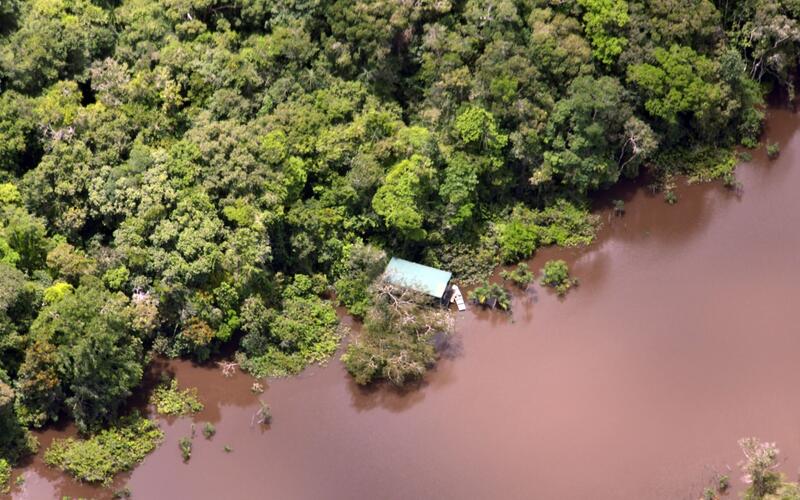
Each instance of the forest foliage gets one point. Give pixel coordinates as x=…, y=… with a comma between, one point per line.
x=179, y=175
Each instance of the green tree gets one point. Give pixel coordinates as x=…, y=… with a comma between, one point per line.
x=602, y=18
x=55, y=39
x=19, y=302
x=401, y=200
x=681, y=83
x=593, y=135
x=85, y=358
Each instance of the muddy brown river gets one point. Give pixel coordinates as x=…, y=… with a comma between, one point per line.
x=682, y=337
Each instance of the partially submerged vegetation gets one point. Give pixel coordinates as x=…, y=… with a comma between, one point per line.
x=262, y=416
x=209, y=430
x=491, y=295
x=555, y=274
x=110, y=451
x=16, y=441
x=521, y=276
x=397, y=340
x=185, y=446
x=563, y=224
x=168, y=399
x=773, y=150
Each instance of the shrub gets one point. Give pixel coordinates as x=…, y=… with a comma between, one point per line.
x=555, y=274
x=561, y=223
x=731, y=182
x=700, y=163
x=209, y=430
x=5, y=475
x=113, y=450
x=470, y=261
x=773, y=150
x=517, y=240
x=491, y=295
x=185, y=445
x=122, y=493
x=272, y=363
x=619, y=207
x=521, y=276
x=351, y=291
x=169, y=400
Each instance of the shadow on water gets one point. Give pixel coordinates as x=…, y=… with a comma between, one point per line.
x=386, y=396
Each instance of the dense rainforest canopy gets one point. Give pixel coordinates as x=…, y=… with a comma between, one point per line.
x=180, y=175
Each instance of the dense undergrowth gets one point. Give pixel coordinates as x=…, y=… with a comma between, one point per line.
x=178, y=175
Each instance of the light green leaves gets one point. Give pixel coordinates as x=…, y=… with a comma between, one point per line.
x=601, y=20
x=400, y=201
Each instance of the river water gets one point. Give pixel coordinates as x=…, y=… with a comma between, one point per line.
x=681, y=338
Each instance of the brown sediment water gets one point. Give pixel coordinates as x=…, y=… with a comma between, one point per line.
x=681, y=338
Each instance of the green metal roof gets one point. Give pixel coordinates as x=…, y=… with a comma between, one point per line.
x=417, y=277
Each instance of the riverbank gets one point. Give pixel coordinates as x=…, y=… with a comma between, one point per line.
x=679, y=341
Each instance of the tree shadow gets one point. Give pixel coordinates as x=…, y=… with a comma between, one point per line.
x=385, y=395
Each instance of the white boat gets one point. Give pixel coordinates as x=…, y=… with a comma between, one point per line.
x=458, y=298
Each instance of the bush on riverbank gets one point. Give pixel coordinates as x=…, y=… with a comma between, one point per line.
x=16, y=441
x=699, y=163
x=561, y=223
x=116, y=449
x=169, y=400
x=5, y=475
